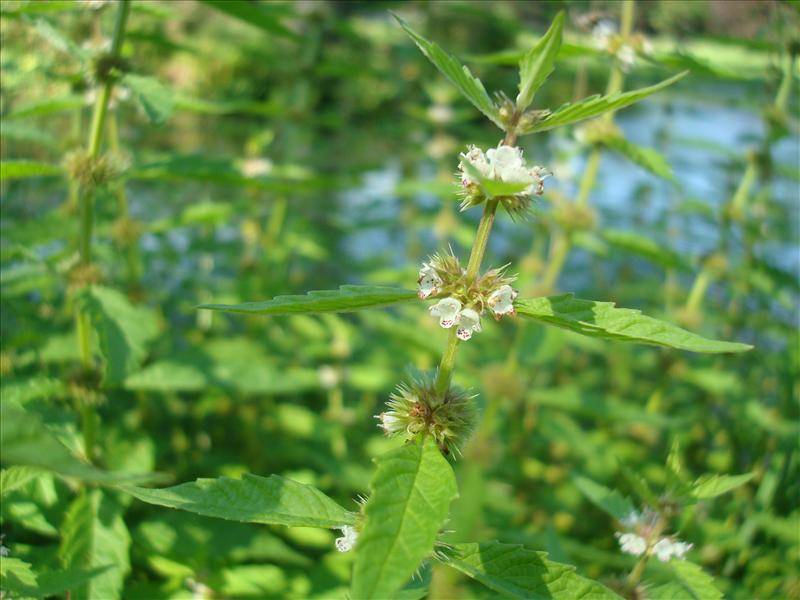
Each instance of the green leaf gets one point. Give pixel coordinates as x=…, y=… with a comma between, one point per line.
x=491, y=187
x=17, y=577
x=594, y=106
x=460, y=76
x=711, y=486
x=16, y=477
x=59, y=41
x=124, y=330
x=25, y=440
x=611, y=501
x=604, y=320
x=646, y=247
x=517, y=572
x=94, y=536
x=47, y=106
x=155, y=98
x=537, y=63
x=24, y=169
x=347, y=298
x=411, y=493
x=260, y=15
x=647, y=158
x=273, y=500
x=692, y=584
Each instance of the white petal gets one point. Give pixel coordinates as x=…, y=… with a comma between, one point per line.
x=632, y=543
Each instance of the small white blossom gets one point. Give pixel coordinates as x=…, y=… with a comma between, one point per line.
x=429, y=281
x=626, y=56
x=501, y=301
x=632, y=543
x=666, y=548
x=469, y=320
x=389, y=423
x=255, y=167
x=602, y=34
x=328, y=376
x=348, y=539
x=504, y=163
x=440, y=113
x=448, y=310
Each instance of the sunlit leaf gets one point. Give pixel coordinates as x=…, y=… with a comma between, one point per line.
x=411, y=493
x=647, y=158
x=23, y=169
x=611, y=501
x=537, y=63
x=272, y=500
x=594, y=106
x=94, y=536
x=460, y=76
x=603, y=319
x=517, y=572
x=346, y=299
x=692, y=583
x=711, y=486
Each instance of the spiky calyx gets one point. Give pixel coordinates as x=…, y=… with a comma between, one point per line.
x=416, y=409
x=90, y=171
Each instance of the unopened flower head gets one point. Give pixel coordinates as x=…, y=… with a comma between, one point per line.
x=416, y=408
x=348, y=540
x=468, y=321
x=503, y=164
x=501, y=301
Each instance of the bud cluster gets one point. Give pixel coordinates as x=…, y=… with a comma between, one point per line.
x=503, y=165
x=463, y=302
x=416, y=408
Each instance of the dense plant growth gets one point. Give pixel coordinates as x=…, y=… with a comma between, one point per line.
x=490, y=432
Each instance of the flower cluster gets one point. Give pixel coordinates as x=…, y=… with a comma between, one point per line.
x=464, y=302
x=416, y=408
x=606, y=39
x=348, y=540
x=502, y=171
x=645, y=537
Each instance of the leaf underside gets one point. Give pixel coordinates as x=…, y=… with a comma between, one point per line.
x=272, y=500
x=411, y=493
x=604, y=320
x=347, y=298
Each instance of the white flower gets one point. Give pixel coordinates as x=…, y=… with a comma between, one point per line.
x=469, y=320
x=501, y=301
x=389, y=422
x=3, y=550
x=429, y=281
x=504, y=163
x=255, y=167
x=602, y=33
x=666, y=548
x=448, y=310
x=626, y=56
x=632, y=543
x=348, y=539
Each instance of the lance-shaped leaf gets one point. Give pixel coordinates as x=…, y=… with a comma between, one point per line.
x=711, y=486
x=155, y=98
x=347, y=298
x=94, y=537
x=611, y=501
x=460, y=76
x=411, y=493
x=647, y=158
x=23, y=169
x=537, y=63
x=517, y=572
x=604, y=320
x=594, y=106
x=272, y=500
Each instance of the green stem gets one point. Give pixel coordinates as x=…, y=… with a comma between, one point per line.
x=447, y=364
x=481, y=240
x=743, y=190
x=589, y=177
x=698, y=290
x=559, y=250
x=782, y=98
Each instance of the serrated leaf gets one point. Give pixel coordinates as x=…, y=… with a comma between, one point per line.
x=711, y=486
x=460, y=76
x=17, y=577
x=260, y=15
x=156, y=99
x=692, y=584
x=94, y=536
x=517, y=572
x=537, y=63
x=25, y=440
x=273, y=500
x=411, y=493
x=611, y=501
x=24, y=169
x=604, y=320
x=594, y=106
x=13, y=478
x=123, y=330
x=59, y=41
x=346, y=299
x=647, y=158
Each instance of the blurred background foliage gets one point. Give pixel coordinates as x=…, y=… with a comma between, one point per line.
x=298, y=146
